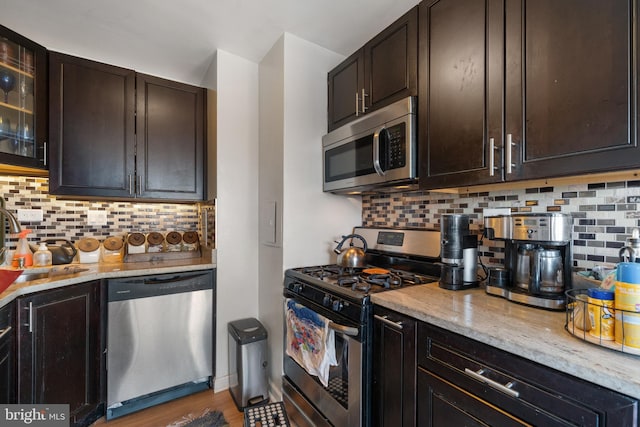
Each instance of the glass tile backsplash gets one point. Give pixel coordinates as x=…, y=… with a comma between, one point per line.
x=67, y=219
x=604, y=214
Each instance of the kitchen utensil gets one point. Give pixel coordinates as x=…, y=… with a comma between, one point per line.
x=353, y=256
x=7, y=83
x=63, y=253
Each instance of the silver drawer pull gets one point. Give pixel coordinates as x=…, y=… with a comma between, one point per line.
x=505, y=388
x=385, y=320
x=5, y=331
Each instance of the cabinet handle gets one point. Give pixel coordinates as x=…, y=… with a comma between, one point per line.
x=492, y=156
x=385, y=320
x=30, y=317
x=5, y=331
x=505, y=388
x=509, y=158
x=130, y=184
x=357, y=104
x=139, y=185
x=364, y=104
x=44, y=153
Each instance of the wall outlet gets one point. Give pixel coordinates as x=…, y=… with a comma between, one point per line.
x=29, y=215
x=96, y=217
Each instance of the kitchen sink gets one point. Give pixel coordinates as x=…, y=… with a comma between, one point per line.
x=28, y=277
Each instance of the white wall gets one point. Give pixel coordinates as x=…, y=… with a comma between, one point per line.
x=293, y=119
x=313, y=219
x=236, y=81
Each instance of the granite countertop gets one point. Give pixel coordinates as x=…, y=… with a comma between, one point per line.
x=99, y=271
x=531, y=333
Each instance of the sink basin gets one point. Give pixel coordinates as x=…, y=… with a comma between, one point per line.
x=28, y=277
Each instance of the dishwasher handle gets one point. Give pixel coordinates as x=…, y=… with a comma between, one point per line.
x=176, y=278
x=163, y=284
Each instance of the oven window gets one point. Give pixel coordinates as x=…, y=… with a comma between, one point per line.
x=349, y=160
x=338, y=386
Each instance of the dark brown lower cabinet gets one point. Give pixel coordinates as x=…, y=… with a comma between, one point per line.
x=394, y=369
x=60, y=350
x=464, y=382
x=7, y=354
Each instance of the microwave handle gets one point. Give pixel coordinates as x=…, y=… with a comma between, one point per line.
x=376, y=152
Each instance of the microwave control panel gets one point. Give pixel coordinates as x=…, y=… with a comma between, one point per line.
x=396, y=152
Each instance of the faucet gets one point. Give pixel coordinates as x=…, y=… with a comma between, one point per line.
x=14, y=227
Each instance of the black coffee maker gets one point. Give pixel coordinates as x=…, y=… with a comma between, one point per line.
x=537, y=256
x=458, y=252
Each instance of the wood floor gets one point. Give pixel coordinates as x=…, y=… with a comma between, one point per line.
x=171, y=413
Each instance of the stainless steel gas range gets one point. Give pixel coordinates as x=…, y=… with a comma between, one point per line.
x=395, y=258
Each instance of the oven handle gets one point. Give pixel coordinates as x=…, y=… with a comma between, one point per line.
x=347, y=330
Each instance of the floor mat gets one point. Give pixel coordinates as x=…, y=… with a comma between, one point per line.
x=209, y=418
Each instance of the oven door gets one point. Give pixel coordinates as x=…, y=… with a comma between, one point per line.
x=339, y=404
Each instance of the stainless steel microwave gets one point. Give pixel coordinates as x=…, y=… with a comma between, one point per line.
x=377, y=152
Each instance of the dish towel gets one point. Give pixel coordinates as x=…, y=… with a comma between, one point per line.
x=310, y=342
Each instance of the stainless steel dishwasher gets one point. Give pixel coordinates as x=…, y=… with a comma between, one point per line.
x=159, y=339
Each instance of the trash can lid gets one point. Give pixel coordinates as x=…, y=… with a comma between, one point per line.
x=248, y=330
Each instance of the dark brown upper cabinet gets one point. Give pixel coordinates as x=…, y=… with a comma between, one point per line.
x=514, y=90
x=23, y=104
x=380, y=73
x=118, y=134
x=170, y=139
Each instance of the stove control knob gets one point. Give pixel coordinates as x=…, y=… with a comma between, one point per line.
x=326, y=301
x=297, y=287
x=337, y=305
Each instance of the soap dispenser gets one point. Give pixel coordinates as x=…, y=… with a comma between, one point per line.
x=42, y=257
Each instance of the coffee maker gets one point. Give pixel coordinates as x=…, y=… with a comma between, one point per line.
x=458, y=253
x=537, y=256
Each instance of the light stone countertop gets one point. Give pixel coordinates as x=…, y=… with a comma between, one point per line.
x=531, y=333
x=99, y=271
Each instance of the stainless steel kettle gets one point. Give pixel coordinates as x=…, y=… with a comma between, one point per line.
x=631, y=252
x=353, y=256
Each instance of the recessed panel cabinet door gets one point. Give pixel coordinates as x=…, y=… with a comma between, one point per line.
x=345, y=83
x=460, y=102
x=571, y=86
x=60, y=350
x=91, y=128
x=391, y=69
x=170, y=139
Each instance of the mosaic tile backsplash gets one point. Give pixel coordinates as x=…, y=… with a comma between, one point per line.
x=67, y=219
x=604, y=214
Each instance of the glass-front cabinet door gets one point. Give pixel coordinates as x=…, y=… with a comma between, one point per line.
x=23, y=101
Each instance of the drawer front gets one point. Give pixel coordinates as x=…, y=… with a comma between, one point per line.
x=523, y=388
